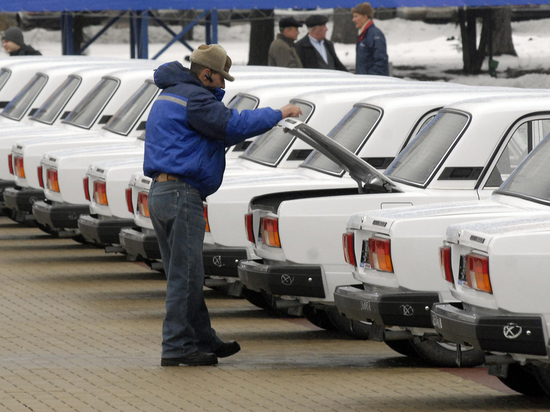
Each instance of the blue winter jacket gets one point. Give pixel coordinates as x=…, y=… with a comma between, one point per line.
x=371, y=56
x=189, y=128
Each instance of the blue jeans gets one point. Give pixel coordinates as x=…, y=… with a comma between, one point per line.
x=176, y=211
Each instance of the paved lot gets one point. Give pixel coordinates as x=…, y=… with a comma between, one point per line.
x=80, y=331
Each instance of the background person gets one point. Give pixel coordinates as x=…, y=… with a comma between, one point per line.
x=371, y=56
x=188, y=130
x=14, y=44
x=315, y=51
x=282, y=52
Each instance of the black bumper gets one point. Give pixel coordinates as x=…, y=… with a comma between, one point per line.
x=490, y=333
x=22, y=199
x=386, y=307
x=58, y=215
x=4, y=184
x=222, y=262
x=291, y=280
x=138, y=243
x=105, y=231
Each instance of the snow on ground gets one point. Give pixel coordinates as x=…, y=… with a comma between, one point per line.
x=414, y=47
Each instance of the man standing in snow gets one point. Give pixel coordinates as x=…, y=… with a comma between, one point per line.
x=371, y=56
x=14, y=44
x=315, y=51
x=282, y=52
x=187, y=132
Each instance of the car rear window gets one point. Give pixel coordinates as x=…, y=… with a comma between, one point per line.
x=19, y=105
x=125, y=118
x=421, y=158
x=271, y=147
x=4, y=76
x=50, y=110
x=243, y=102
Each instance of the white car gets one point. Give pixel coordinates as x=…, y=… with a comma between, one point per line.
x=225, y=241
x=496, y=271
x=438, y=165
x=110, y=212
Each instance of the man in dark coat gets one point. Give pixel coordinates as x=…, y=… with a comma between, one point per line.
x=282, y=52
x=14, y=44
x=371, y=56
x=315, y=51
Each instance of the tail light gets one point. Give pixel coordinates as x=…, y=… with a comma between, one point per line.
x=205, y=209
x=477, y=273
x=86, y=183
x=129, y=202
x=18, y=166
x=10, y=163
x=249, y=229
x=445, y=263
x=143, y=206
x=53, y=183
x=270, y=231
x=100, y=193
x=40, y=177
x=348, y=242
x=380, y=254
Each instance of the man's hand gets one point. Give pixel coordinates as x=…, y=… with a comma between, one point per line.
x=290, y=110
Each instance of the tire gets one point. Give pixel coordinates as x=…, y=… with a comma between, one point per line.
x=403, y=347
x=444, y=354
x=318, y=317
x=353, y=328
x=527, y=379
x=259, y=299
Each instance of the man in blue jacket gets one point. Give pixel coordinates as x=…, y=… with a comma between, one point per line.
x=371, y=56
x=187, y=132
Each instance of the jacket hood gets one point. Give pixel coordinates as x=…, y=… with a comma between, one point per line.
x=172, y=73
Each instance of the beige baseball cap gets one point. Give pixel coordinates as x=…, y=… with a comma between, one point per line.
x=214, y=57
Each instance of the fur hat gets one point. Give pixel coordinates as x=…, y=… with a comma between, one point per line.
x=214, y=57
x=289, y=22
x=365, y=9
x=14, y=34
x=316, y=20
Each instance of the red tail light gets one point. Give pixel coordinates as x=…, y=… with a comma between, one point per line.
x=40, y=177
x=445, y=263
x=270, y=231
x=143, y=206
x=53, y=183
x=477, y=273
x=100, y=192
x=348, y=242
x=249, y=229
x=380, y=254
x=10, y=163
x=18, y=166
x=129, y=200
x=205, y=206
x=86, y=183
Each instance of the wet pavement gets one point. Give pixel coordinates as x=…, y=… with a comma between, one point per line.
x=81, y=331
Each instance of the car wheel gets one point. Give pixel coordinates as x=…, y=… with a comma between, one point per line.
x=444, y=354
x=527, y=380
x=318, y=317
x=403, y=347
x=259, y=299
x=353, y=328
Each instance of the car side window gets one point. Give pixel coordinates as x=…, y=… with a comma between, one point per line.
x=524, y=139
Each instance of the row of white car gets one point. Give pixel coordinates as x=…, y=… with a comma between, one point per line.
x=386, y=158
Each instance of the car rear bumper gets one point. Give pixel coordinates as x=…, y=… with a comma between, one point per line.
x=222, y=262
x=58, y=215
x=139, y=243
x=102, y=230
x=386, y=307
x=290, y=280
x=22, y=199
x=490, y=332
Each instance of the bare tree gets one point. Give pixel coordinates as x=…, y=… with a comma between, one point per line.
x=261, y=35
x=343, y=30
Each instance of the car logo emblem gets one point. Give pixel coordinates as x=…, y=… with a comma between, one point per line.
x=407, y=310
x=436, y=321
x=287, y=280
x=217, y=261
x=512, y=331
x=365, y=305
